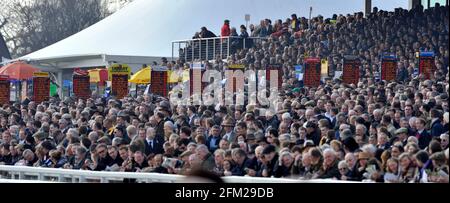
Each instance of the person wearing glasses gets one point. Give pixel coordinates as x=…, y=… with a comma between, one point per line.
x=344, y=170
x=100, y=158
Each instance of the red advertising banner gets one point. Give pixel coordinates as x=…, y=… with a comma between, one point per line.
x=4, y=89
x=119, y=84
x=41, y=87
x=81, y=86
x=159, y=83
x=350, y=70
x=275, y=67
x=389, y=68
x=427, y=67
x=311, y=78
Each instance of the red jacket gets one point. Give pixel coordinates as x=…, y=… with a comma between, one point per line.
x=225, y=31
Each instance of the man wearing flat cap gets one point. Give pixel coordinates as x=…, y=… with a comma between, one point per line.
x=402, y=135
x=40, y=137
x=228, y=126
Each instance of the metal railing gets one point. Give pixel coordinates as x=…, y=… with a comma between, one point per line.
x=211, y=48
x=34, y=174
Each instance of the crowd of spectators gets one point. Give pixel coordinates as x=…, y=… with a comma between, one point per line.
x=374, y=131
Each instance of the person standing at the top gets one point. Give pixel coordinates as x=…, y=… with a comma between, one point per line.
x=225, y=31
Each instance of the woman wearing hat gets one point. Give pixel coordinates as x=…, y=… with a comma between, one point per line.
x=361, y=165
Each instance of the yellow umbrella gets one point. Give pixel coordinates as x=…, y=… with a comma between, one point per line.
x=142, y=77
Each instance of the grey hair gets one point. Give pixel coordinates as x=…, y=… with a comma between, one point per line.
x=286, y=116
x=27, y=151
x=346, y=134
x=369, y=148
x=286, y=153
x=202, y=147
x=170, y=124
x=73, y=131
x=342, y=164
x=363, y=127
x=329, y=150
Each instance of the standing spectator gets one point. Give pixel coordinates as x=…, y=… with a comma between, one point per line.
x=422, y=135
x=402, y=72
x=313, y=133
x=205, y=33
x=436, y=123
x=230, y=134
x=225, y=31
x=153, y=145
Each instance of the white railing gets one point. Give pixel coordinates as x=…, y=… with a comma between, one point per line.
x=33, y=174
x=211, y=48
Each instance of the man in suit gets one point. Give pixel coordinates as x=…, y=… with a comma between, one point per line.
x=153, y=145
x=192, y=115
x=159, y=117
x=422, y=135
x=436, y=124
x=228, y=125
x=213, y=139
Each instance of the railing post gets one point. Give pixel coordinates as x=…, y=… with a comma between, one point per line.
x=61, y=178
x=228, y=50
x=21, y=175
x=193, y=49
x=221, y=49
x=214, y=49
x=185, y=52
x=82, y=179
x=207, y=50
x=200, y=49
x=40, y=177
x=243, y=39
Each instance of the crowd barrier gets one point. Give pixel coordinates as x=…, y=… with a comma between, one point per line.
x=35, y=174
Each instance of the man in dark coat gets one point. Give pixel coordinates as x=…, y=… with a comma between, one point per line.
x=422, y=135
x=241, y=162
x=153, y=145
x=160, y=126
x=436, y=124
x=213, y=139
x=101, y=158
x=313, y=133
x=205, y=33
x=330, y=165
x=271, y=157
